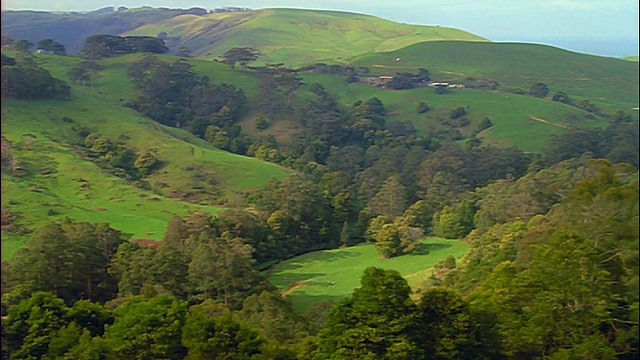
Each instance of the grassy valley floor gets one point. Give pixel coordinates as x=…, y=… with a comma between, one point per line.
x=333, y=274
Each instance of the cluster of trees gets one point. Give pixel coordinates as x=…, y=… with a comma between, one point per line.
x=541, y=90
x=559, y=240
x=368, y=169
x=68, y=259
x=45, y=45
x=23, y=79
x=50, y=46
x=117, y=156
x=559, y=280
x=617, y=143
x=334, y=69
x=379, y=321
x=480, y=84
x=102, y=45
x=276, y=90
x=404, y=80
x=79, y=290
x=171, y=94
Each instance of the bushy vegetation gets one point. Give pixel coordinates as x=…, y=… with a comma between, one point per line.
x=23, y=79
x=552, y=266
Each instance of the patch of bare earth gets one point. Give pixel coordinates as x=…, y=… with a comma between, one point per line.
x=289, y=288
x=7, y=218
x=547, y=122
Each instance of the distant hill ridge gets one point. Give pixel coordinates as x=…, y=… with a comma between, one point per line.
x=293, y=36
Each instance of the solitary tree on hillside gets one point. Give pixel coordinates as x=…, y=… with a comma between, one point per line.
x=241, y=55
x=539, y=90
x=50, y=45
x=23, y=45
x=560, y=96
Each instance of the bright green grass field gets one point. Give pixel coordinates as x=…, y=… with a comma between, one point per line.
x=333, y=274
x=58, y=183
x=607, y=82
x=512, y=115
x=296, y=36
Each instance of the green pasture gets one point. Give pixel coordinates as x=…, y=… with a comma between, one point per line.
x=333, y=274
x=295, y=36
x=58, y=183
x=100, y=108
x=523, y=121
x=607, y=82
x=513, y=115
x=55, y=182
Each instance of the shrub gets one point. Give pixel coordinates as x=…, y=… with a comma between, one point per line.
x=422, y=107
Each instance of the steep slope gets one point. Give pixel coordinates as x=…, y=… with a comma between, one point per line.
x=294, y=36
x=52, y=179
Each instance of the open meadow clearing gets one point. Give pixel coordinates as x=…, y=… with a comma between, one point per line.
x=333, y=274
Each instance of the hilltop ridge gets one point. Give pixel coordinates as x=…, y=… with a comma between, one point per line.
x=281, y=35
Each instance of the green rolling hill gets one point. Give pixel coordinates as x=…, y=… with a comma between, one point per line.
x=58, y=182
x=70, y=29
x=522, y=121
x=55, y=181
x=607, y=82
x=295, y=37
x=291, y=36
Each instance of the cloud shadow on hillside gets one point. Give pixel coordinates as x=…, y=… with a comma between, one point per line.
x=302, y=300
x=426, y=249
x=286, y=279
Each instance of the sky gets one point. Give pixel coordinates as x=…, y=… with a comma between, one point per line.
x=601, y=27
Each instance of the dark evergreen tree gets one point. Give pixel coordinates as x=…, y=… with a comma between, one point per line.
x=378, y=321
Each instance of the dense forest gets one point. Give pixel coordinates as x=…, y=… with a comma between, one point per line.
x=552, y=270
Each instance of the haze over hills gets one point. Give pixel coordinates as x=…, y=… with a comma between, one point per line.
x=71, y=29
x=226, y=196
x=293, y=36
x=303, y=37
x=280, y=34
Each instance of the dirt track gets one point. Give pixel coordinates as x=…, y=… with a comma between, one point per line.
x=547, y=122
x=296, y=284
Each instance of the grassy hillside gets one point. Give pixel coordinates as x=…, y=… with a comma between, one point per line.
x=56, y=182
x=71, y=29
x=295, y=36
x=608, y=82
x=333, y=274
x=523, y=121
